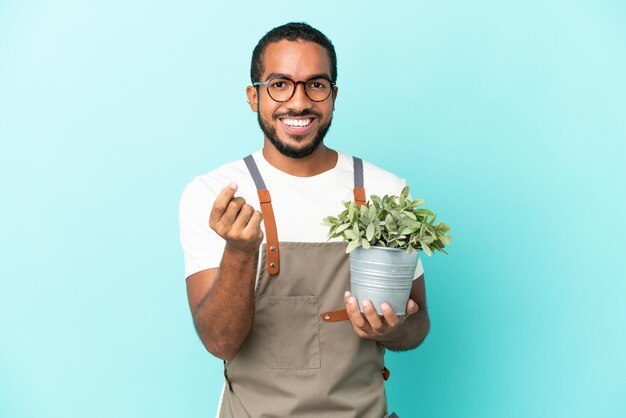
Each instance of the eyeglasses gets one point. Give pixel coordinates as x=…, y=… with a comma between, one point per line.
x=282, y=89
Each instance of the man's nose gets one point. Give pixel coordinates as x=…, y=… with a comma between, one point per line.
x=300, y=100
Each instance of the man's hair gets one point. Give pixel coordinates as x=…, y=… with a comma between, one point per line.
x=294, y=31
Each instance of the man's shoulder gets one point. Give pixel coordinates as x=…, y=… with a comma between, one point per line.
x=379, y=180
x=212, y=182
x=227, y=172
x=377, y=171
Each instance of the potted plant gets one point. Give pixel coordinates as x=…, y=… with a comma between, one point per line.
x=384, y=238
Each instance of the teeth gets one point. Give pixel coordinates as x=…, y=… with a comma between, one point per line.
x=296, y=122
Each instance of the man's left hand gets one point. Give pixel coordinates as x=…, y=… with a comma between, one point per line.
x=371, y=326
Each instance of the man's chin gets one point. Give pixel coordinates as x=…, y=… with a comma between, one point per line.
x=302, y=148
x=300, y=140
x=294, y=145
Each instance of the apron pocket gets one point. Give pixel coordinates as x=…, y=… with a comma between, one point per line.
x=294, y=333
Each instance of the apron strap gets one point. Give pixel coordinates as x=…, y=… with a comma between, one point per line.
x=334, y=316
x=359, y=190
x=359, y=199
x=271, y=234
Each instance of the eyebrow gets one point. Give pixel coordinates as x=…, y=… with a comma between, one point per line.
x=271, y=75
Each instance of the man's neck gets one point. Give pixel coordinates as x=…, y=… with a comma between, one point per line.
x=321, y=160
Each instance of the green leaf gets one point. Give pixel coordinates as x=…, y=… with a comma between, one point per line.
x=369, y=234
x=445, y=239
x=427, y=240
x=350, y=234
x=342, y=227
x=423, y=212
x=351, y=210
x=442, y=227
x=372, y=213
x=391, y=221
x=353, y=245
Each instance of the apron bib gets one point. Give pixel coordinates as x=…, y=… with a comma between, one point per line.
x=301, y=357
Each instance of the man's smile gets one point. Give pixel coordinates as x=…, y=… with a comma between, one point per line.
x=299, y=125
x=296, y=122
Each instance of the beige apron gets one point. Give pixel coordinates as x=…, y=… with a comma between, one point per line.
x=301, y=357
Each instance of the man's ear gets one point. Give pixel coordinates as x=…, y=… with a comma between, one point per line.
x=335, y=92
x=253, y=98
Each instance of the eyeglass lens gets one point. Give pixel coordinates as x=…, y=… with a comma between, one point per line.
x=282, y=89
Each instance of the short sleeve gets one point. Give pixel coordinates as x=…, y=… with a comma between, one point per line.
x=202, y=247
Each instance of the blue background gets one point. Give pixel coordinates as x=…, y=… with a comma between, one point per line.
x=507, y=117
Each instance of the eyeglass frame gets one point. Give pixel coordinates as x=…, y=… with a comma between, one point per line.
x=295, y=86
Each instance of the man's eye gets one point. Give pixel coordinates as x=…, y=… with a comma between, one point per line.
x=278, y=84
x=317, y=84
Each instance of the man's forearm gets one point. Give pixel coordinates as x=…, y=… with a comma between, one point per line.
x=224, y=317
x=411, y=333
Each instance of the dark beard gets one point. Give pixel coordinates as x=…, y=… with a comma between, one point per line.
x=287, y=150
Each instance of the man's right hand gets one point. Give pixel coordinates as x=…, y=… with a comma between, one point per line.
x=222, y=299
x=236, y=221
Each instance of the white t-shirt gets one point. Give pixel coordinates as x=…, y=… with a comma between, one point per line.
x=299, y=203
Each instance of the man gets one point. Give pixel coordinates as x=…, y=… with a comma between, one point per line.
x=266, y=291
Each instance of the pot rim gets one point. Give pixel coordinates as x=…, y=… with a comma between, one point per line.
x=417, y=250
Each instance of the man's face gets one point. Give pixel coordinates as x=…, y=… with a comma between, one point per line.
x=298, y=126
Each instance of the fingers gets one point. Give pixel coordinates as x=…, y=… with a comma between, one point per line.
x=358, y=322
x=248, y=223
x=412, y=307
x=235, y=220
x=372, y=317
x=254, y=224
x=390, y=316
x=243, y=217
x=392, y=319
x=346, y=297
x=232, y=211
x=221, y=204
x=367, y=324
x=370, y=324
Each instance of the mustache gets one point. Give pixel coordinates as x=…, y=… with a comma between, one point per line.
x=293, y=114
